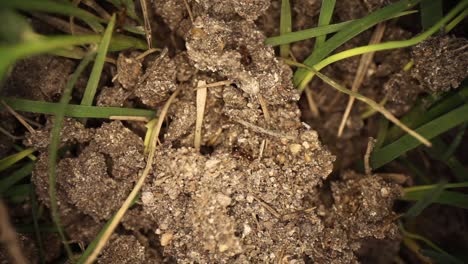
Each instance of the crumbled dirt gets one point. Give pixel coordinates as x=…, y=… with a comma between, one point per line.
x=40, y=78
x=261, y=189
x=440, y=63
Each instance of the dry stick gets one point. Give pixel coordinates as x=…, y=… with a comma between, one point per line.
x=364, y=63
x=131, y=197
x=263, y=130
x=311, y=102
x=369, y=149
x=146, y=53
x=18, y=117
x=364, y=99
x=201, y=103
x=215, y=84
x=101, y=11
x=8, y=237
x=189, y=10
x=62, y=25
x=264, y=106
x=148, y=31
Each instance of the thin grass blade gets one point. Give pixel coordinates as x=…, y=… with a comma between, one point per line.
x=429, y=198
x=16, y=177
x=326, y=12
x=96, y=72
x=9, y=161
x=451, y=198
x=431, y=12
x=302, y=76
x=430, y=130
x=285, y=25
x=79, y=111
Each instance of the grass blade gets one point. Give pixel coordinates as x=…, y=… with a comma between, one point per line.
x=456, y=199
x=437, y=152
x=285, y=25
x=439, y=257
x=366, y=100
x=430, y=130
x=431, y=12
x=7, y=162
x=315, y=32
x=382, y=46
x=54, y=146
x=61, y=8
x=326, y=12
x=93, y=81
x=302, y=76
x=16, y=177
x=429, y=198
x=37, y=232
x=79, y=111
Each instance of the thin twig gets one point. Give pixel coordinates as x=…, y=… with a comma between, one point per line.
x=311, y=102
x=369, y=149
x=189, y=10
x=263, y=130
x=128, y=202
x=215, y=84
x=201, y=103
x=364, y=63
x=8, y=134
x=264, y=107
x=146, y=53
x=18, y=117
x=148, y=31
x=364, y=99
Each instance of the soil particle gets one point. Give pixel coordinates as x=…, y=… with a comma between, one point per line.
x=235, y=50
x=112, y=96
x=363, y=205
x=129, y=68
x=174, y=14
x=40, y=78
x=123, y=249
x=441, y=63
x=158, y=82
x=73, y=132
x=225, y=9
x=402, y=91
x=99, y=179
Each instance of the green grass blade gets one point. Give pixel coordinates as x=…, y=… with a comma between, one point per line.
x=382, y=133
x=456, y=199
x=79, y=111
x=11, y=53
x=430, y=130
x=456, y=21
x=93, y=81
x=15, y=177
x=455, y=142
x=305, y=34
x=37, y=231
x=54, y=146
x=382, y=46
x=419, y=188
x=431, y=12
x=429, y=198
x=55, y=8
x=437, y=152
x=438, y=257
x=420, y=238
x=420, y=114
x=18, y=193
x=302, y=76
x=285, y=25
x=315, y=32
x=9, y=161
x=326, y=12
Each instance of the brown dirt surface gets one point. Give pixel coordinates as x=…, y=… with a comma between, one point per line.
x=272, y=182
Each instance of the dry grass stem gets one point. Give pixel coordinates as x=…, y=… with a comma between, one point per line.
x=215, y=84
x=311, y=102
x=366, y=100
x=364, y=64
x=146, y=53
x=189, y=10
x=201, y=103
x=18, y=117
x=264, y=107
x=369, y=149
x=148, y=31
x=136, y=189
x=263, y=130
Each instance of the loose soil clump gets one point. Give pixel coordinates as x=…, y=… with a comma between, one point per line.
x=260, y=189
